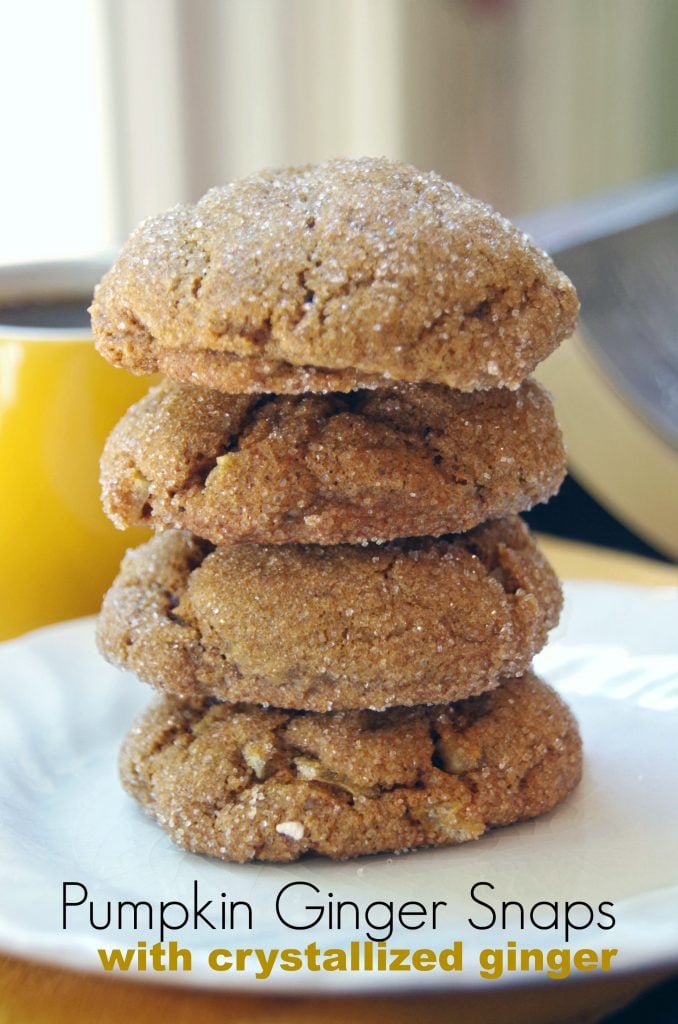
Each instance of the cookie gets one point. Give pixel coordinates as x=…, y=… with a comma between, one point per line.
x=241, y=783
x=403, y=461
x=350, y=274
x=319, y=628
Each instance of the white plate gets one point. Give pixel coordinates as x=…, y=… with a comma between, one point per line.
x=65, y=819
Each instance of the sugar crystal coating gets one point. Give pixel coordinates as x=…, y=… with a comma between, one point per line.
x=353, y=273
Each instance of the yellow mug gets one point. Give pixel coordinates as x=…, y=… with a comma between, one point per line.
x=58, y=402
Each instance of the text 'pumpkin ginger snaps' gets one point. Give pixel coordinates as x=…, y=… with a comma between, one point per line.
x=349, y=274
x=329, y=469
x=241, y=782
x=318, y=628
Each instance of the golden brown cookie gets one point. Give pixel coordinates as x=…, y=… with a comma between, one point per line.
x=350, y=274
x=409, y=460
x=409, y=622
x=243, y=783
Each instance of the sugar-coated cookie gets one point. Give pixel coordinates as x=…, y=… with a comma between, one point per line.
x=409, y=460
x=319, y=628
x=243, y=783
x=352, y=273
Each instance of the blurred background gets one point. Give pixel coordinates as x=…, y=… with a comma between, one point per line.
x=113, y=110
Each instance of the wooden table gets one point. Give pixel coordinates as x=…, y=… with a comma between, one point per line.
x=35, y=994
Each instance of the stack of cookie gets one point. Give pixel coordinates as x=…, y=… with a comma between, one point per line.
x=341, y=605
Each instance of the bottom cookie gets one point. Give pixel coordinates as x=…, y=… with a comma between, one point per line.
x=241, y=782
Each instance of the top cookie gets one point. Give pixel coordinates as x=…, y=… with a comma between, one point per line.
x=348, y=274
